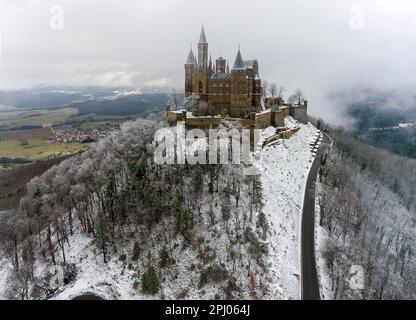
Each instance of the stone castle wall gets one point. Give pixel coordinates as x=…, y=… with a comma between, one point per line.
x=299, y=113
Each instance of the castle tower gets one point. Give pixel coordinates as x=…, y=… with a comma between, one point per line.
x=239, y=88
x=203, y=72
x=220, y=65
x=190, y=67
x=202, y=51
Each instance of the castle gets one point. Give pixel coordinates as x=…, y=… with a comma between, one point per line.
x=214, y=93
x=233, y=94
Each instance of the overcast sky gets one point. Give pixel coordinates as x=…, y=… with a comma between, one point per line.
x=320, y=46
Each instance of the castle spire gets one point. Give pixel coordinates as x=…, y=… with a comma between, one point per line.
x=202, y=51
x=238, y=63
x=202, y=38
x=191, y=57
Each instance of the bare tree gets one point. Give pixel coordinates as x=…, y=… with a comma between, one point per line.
x=265, y=88
x=280, y=92
x=273, y=89
x=298, y=97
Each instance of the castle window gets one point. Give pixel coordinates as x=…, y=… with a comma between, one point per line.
x=200, y=87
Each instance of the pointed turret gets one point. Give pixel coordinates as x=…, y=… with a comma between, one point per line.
x=239, y=62
x=190, y=67
x=202, y=38
x=202, y=51
x=191, y=57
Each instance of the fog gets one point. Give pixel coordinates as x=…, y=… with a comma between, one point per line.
x=320, y=46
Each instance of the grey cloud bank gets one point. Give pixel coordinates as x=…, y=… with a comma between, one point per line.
x=320, y=46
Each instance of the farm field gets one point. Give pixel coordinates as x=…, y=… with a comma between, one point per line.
x=37, y=149
x=27, y=134
x=31, y=144
x=38, y=117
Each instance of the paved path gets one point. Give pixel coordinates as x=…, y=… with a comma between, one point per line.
x=310, y=285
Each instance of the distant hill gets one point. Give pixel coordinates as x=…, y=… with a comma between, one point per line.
x=46, y=97
x=142, y=104
x=100, y=101
x=377, y=116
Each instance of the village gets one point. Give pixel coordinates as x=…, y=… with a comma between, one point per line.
x=80, y=135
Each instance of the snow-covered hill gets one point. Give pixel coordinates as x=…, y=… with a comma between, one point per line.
x=223, y=257
x=285, y=166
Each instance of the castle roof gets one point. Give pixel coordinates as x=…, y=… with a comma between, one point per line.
x=250, y=63
x=221, y=76
x=239, y=62
x=202, y=38
x=191, y=58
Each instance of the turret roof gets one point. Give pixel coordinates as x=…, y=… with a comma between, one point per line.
x=239, y=62
x=202, y=38
x=191, y=58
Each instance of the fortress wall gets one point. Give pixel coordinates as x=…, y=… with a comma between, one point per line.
x=285, y=111
x=299, y=113
x=172, y=118
x=263, y=120
x=278, y=118
x=202, y=123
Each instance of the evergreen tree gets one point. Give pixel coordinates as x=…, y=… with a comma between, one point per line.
x=101, y=231
x=182, y=217
x=226, y=207
x=164, y=258
x=150, y=282
x=263, y=225
x=136, y=252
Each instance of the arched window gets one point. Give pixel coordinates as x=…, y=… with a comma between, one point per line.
x=200, y=87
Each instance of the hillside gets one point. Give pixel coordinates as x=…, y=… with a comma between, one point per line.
x=366, y=217
x=129, y=229
x=142, y=105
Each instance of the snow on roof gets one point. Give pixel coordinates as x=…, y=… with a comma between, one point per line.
x=221, y=76
x=250, y=63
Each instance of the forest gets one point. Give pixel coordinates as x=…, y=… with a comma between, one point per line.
x=155, y=214
x=367, y=208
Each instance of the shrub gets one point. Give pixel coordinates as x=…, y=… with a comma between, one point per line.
x=213, y=274
x=182, y=294
x=136, y=252
x=122, y=257
x=164, y=258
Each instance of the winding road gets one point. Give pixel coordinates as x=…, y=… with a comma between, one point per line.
x=309, y=278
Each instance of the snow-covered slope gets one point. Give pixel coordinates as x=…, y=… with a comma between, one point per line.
x=285, y=168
